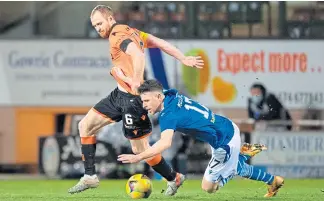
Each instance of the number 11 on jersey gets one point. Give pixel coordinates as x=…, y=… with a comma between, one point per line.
x=189, y=105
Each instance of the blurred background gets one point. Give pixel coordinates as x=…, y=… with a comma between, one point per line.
x=264, y=69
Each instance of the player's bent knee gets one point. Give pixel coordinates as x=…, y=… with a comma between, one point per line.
x=82, y=128
x=91, y=123
x=209, y=187
x=208, y=190
x=86, y=128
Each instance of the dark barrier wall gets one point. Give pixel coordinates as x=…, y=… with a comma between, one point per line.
x=61, y=157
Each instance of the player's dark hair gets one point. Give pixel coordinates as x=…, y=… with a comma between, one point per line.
x=150, y=85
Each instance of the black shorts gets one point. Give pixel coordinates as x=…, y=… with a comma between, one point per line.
x=118, y=106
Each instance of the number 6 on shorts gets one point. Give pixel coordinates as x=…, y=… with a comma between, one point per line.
x=128, y=119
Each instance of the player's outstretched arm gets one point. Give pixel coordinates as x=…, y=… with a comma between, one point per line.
x=158, y=147
x=155, y=42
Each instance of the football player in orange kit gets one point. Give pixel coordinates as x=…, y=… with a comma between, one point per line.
x=123, y=103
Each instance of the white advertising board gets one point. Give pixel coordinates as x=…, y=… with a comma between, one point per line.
x=4, y=88
x=292, y=154
x=292, y=70
x=76, y=72
x=63, y=72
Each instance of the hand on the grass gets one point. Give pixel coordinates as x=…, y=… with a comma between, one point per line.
x=129, y=158
x=193, y=61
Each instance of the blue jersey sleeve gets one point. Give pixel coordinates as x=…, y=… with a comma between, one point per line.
x=167, y=121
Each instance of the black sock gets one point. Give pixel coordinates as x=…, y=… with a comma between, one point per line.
x=165, y=170
x=88, y=157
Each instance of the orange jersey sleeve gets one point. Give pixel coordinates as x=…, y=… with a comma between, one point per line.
x=119, y=38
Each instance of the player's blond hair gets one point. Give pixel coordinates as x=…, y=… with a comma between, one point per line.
x=104, y=10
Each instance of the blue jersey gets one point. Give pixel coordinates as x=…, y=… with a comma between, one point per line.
x=189, y=117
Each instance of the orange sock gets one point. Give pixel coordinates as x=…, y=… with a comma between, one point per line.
x=154, y=161
x=89, y=140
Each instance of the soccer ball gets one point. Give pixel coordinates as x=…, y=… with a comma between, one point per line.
x=139, y=186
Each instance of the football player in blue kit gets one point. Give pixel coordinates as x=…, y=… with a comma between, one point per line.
x=179, y=113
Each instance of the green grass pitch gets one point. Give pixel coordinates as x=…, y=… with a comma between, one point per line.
x=238, y=189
